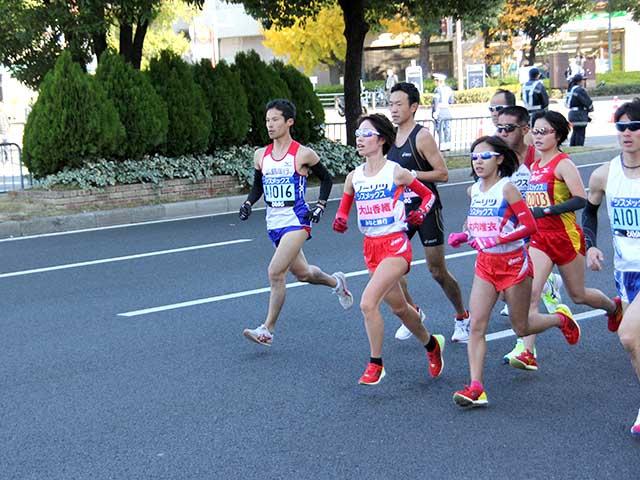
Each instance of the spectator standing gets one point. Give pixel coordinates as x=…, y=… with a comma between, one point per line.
x=534, y=95
x=579, y=104
x=443, y=97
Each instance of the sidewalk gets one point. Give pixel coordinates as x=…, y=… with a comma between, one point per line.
x=169, y=211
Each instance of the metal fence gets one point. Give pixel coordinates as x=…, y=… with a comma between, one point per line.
x=463, y=132
x=13, y=175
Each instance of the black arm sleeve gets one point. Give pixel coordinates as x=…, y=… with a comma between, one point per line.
x=256, y=189
x=571, y=205
x=326, y=181
x=590, y=224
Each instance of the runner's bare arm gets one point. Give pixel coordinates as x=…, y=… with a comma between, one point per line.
x=426, y=145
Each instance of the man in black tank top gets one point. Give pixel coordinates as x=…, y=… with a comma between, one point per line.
x=416, y=150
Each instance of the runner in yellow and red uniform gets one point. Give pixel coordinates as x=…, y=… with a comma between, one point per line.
x=554, y=194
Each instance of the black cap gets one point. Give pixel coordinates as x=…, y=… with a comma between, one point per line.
x=534, y=72
x=577, y=77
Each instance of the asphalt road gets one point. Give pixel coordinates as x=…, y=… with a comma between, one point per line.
x=94, y=385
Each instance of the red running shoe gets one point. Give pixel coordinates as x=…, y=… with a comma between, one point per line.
x=470, y=397
x=614, y=319
x=436, y=360
x=525, y=361
x=372, y=374
x=569, y=327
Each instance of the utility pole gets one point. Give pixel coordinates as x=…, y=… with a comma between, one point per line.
x=609, y=37
x=459, y=55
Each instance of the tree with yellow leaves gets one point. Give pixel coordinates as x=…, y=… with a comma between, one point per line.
x=311, y=42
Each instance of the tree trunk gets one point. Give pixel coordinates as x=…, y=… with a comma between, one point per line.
x=355, y=30
x=138, y=43
x=425, y=53
x=99, y=39
x=126, y=42
x=531, y=58
x=335, y=72
x=486, y=43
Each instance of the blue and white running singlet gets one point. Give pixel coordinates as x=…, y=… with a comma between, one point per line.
x=490, y=215
x=623, y=207
x=284, y=190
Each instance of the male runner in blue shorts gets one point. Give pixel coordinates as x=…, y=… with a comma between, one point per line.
x=281, y=171
x=619, y=181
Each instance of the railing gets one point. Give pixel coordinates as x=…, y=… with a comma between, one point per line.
x=13, y=175
x=328, y=100
x=462, y=131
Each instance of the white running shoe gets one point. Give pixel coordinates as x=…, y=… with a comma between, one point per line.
x=551, y=296
x=260, y=335
x=344, y=295
x=505, y=310
x=460, y=331
x=403, y=333
x=635, y=429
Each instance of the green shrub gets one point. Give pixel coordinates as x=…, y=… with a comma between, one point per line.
x=615, y=89
x=329, y=89
x=226, y=101
x=339, y=159
x=237, y=161
x=475, y=95
x=72, y=121
x=619, y=78
x=310, y=114
x=189, y=119
x=142, y=111
x=262, y=84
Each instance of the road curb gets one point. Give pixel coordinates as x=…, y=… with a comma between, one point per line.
x=193, y=208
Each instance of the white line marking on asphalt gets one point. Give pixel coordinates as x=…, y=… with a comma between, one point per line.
x=120, y=259
x=195, y=217
x=511, y=333
x=257, y=291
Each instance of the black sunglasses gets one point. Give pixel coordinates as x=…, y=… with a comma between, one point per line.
x=496, y=108
x=509, y=127
x=632, y=126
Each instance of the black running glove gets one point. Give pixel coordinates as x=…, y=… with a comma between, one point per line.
x=245, y=210
x=315, y=214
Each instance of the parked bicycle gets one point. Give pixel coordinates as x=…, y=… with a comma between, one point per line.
x=364, y=101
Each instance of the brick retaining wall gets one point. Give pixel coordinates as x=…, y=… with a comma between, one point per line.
x=135, y=194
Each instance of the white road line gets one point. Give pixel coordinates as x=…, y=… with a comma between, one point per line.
x=120, y=259
x=257, y=291
x=511, y=333
x=195, y=217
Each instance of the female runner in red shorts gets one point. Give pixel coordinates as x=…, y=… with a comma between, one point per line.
x=377, y=186
x=498, y=222
x=554, y=193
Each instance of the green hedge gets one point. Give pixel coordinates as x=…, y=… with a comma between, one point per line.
x=227, y=103
x=262, y=84
x=142, y=111
x=237, y=161
x=72, y=121
x=616, y=89
x=308, y=126
x=619, y=78
x=189, y=119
